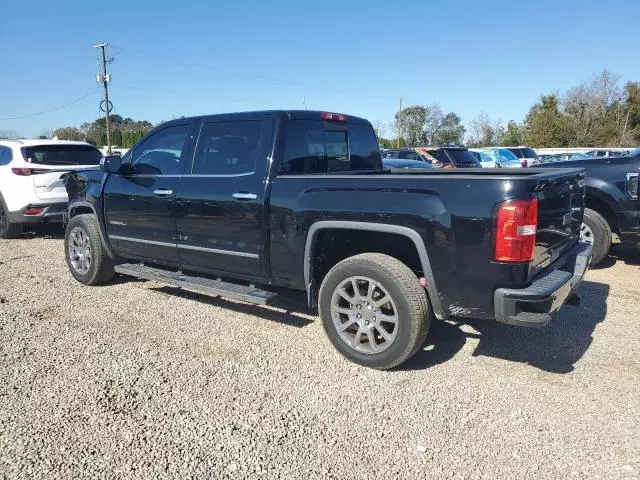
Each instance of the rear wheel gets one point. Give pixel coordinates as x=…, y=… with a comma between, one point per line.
x=8, y=229
x=86, y=257
x=374, y=310
x=596, y=231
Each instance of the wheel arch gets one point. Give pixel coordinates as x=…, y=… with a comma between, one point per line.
x=406, y=232
x=83, y=207
x=602, y=205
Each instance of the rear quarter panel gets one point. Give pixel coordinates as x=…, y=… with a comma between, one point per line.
x=451, y=213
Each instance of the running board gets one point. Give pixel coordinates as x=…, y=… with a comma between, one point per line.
x=206, y=286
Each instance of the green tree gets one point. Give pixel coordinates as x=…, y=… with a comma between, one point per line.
x=450, y=131
x=546, y=126
x=631, y=135
x=513, y=135
x=411, y=122
x=116, y=138
x=67, y=133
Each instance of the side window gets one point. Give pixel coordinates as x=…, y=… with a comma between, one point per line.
x=312, y=149
x=5, y=156
x=227, y=148
x=161, y=153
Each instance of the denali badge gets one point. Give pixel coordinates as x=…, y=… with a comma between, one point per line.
x=114, y=222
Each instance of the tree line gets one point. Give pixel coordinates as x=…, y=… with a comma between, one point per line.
x=598, y=112
x=125, y=132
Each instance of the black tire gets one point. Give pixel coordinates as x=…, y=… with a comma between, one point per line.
x=100, y=268
x=410, y=298
x=8, y=229
x=601, y=233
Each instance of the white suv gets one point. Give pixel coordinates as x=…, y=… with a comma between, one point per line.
x=31, y=189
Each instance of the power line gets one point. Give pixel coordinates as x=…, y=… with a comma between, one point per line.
x=51, y=109
x=274, y=80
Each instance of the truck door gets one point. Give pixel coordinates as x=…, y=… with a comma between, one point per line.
x=139, y=203
x=220, y=198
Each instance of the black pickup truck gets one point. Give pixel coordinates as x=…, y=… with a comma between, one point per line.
x=233, y=204
x=612, y=213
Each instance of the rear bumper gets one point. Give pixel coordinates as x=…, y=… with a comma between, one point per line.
x=532, y=306
x=52, y=212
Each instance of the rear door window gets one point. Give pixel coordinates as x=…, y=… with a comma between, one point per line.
x=313, y=147
x=228, y=148
x=62, y=155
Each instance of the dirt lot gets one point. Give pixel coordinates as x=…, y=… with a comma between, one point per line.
x=136, y=380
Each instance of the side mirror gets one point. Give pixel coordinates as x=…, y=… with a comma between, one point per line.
x=111, y=164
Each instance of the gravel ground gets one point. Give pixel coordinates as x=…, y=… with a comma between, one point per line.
x=136, y=380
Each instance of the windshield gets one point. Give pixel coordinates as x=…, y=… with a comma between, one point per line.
x=63, y=155
x=505, y=155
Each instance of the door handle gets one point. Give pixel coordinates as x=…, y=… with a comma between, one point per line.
x=163, y=192
x=244, y=196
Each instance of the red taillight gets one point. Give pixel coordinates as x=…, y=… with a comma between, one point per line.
x=33, y=211
x=25, y=172
x=336, y=117
x=523, y=163
x=516, y=230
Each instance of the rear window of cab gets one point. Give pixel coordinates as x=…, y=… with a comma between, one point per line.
x=314, y=146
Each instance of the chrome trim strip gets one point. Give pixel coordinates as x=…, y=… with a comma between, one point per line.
x=216, y=250
x=140, y=240
x=196, y=175
x=186, y=247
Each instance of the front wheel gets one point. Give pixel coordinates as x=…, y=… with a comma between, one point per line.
x=86, y=257
x=374, y=310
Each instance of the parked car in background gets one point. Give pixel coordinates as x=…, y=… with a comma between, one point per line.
x=405, y=154
x=31, y=190
x=438, y=157
x=612, y=213
x=448, y=157
x=497, y=158
x=402, y=163
x=300, y=199
x=527, y=155
x=485, y=159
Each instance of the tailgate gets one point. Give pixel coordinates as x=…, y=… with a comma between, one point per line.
x=560, y=210
x=49, y=186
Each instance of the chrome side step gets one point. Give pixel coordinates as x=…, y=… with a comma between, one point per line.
x=206, y=286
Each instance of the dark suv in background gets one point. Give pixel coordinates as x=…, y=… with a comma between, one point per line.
x=440, y=157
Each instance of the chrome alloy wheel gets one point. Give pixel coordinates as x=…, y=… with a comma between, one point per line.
x=364, y=314
x=79, y=251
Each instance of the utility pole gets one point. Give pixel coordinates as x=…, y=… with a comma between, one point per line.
x=105, y=78
x=398, y=141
